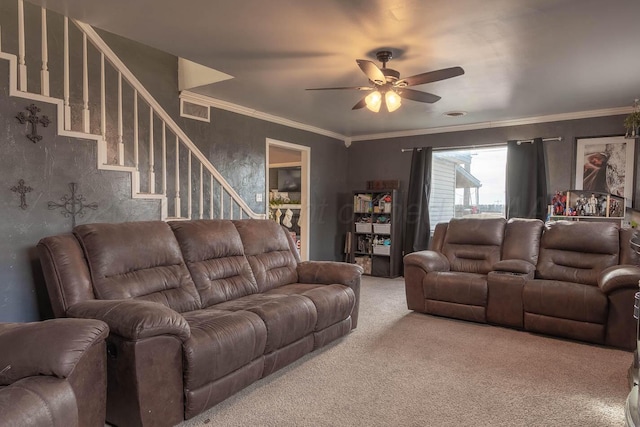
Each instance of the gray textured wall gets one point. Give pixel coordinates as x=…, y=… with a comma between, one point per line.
x=48, y=167
x=235, y=144
x=382, y=159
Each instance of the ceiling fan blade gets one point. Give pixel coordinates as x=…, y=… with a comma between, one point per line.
x=416, y=95
x=431, y=76
x=343, y=88
x=361, y=104
x=372, y=71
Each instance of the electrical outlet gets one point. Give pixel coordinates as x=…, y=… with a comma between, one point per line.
x=259, y=197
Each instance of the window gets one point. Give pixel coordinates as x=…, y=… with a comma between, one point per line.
x=467, y=182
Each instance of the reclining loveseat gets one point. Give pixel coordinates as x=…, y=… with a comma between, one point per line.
x=53, y=373
x=197, y=309
x=569, y=279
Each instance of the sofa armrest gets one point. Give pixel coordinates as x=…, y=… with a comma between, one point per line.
x=428, y=261
x=51, y=347
x=619, y=277
x=134, y=319
x=517, y=266
x=329, y=272
x=40, y=401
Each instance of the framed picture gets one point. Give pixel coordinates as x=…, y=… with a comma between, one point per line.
x=606, y=164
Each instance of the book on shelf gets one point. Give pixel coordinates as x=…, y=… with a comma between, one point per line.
x=362, y=203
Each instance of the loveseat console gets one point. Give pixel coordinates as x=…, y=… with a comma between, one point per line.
x=197, y=310
x=569, y=279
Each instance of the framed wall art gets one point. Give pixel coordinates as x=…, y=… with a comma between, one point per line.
x=606, y=165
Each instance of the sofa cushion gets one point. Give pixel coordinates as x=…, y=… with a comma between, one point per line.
x=334, y=303
x=473, y=245
x=139, y=260
x=266, y=246
x=565, y=300
x=460, y=288
x=221, y=342
x=287, y=317
x=522, y=239
x=577, y=251
x=213, y=252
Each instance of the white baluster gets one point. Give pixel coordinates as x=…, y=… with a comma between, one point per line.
x=135, y=131
x=22, y=66
x=201, y=210
x=86, y=125
x=152, y=164
x=103, y=99
x=67, y=105
x=177, y=200
x=221, y=202
x=44, y=73
x=230, y=207
x=120, y=135
x=211, y=196
x=164, y=158
x=189, y=200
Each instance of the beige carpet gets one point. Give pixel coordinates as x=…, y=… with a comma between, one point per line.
x=400, y=368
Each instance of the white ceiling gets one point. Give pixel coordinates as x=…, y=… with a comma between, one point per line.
x=522, y=58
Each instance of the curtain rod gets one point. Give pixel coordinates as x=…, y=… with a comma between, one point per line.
x=520, y=141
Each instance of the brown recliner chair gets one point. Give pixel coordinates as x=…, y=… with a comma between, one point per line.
x=53, y=373
x=451, y=279
x=584, y=285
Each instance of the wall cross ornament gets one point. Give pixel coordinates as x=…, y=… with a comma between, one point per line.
x=73, y=205
x=34, y=120
x=22, y=190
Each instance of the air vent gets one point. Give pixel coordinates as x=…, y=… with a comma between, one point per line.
x=455, y=113
x=192, y=110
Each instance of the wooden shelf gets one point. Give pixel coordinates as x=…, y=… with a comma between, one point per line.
x=389, y=263
x=578, y=218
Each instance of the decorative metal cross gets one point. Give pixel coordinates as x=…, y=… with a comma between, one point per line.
x=34, y=120
x=22, y=190
x=73, y=206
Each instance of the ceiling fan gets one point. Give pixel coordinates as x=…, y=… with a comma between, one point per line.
x=387, y=83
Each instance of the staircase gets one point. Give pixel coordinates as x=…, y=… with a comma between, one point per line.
x=133, y=132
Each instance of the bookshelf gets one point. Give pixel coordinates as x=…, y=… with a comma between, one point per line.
x=376, y=241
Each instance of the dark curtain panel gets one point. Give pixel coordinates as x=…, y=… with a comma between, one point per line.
x=417, y=233
x=526, y=180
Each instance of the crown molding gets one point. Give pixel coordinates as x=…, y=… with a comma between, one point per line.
x=235, y=108
x=498, y=124
x=228, y=106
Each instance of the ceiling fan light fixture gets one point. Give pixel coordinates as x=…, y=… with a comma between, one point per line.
x=392, y=100
x=373, y=101
x=386, y=81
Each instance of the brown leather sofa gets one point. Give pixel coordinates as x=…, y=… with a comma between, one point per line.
x=197, y=309
x=53, y=373
x=569, y=279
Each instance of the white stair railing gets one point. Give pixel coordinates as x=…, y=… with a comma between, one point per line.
x=134, y=146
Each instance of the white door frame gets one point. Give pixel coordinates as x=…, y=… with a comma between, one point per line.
x=305, y=172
